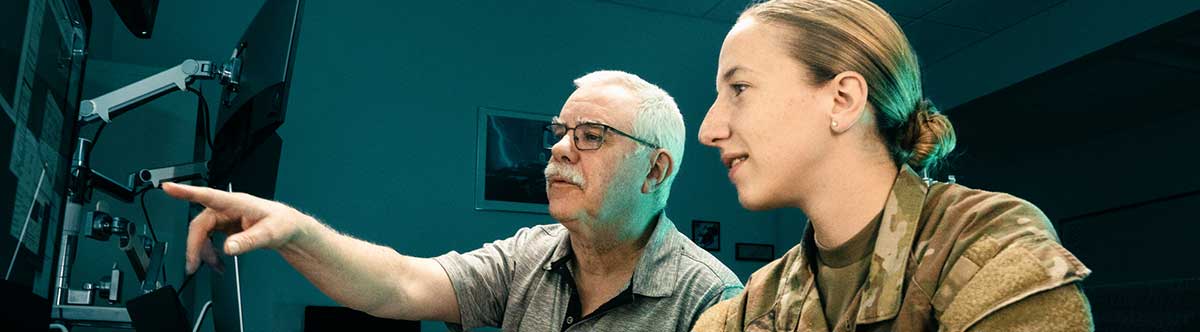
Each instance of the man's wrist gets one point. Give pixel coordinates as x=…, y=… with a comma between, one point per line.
x=307, y=232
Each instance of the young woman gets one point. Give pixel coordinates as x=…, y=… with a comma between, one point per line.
x=819, y=106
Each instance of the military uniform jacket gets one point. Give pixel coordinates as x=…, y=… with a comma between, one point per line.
x=946, y=258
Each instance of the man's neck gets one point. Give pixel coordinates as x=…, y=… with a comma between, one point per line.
x=606, y=258
x=614, y=251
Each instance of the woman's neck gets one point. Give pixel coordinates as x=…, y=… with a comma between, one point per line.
x=845, y=195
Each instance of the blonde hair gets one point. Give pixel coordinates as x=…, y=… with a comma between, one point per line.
x=830, y=37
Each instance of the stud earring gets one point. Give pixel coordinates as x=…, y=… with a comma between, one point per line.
x=834, y=124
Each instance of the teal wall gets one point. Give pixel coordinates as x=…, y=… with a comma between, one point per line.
x=379, y=140
x=380, y=135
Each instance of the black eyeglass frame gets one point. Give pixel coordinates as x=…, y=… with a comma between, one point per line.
x=550, y=128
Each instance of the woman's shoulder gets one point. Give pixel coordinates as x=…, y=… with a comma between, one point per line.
x=986, y=249
x=977, y=225
x=979, y=212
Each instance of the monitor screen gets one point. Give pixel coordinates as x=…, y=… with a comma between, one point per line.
x=250, y=113
x=39, y=84
x=226, y=291
x=246, y=148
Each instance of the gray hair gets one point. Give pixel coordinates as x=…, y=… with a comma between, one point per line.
x=657, y=118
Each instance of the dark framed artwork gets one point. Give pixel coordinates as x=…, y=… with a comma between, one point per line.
x=510, y=161
x=707, y=234
x=754, y=252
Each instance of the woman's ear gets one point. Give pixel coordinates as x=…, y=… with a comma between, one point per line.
x=850, y=100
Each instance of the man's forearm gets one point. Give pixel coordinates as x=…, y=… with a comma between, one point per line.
x=355, y=273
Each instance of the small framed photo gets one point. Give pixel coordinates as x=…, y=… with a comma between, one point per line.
x=754, y=252
x=707, y=234
x=510, y=160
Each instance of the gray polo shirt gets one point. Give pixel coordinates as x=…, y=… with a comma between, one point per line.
x=523, y=283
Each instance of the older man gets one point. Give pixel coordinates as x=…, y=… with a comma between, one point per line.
x=614, y=261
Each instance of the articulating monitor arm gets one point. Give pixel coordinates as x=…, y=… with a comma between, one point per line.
x=112, y=104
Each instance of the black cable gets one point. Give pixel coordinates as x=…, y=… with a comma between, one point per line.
x=202, y=107
x=154, y=236
x=96, y=135
x=95, y=139
x=146, y=214
x=185, y=283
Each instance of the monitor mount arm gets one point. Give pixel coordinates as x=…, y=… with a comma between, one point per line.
x=83, y=179
x=113, y=104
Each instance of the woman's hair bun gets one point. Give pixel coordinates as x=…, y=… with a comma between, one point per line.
x=927, y=137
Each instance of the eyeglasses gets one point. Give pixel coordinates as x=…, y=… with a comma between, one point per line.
x=588, y=136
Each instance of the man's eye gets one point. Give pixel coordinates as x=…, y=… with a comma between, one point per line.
x=592, y=137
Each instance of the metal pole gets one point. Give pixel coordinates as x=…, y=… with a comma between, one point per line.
x=72, y=215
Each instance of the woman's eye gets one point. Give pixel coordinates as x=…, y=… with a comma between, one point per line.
x=739, y=88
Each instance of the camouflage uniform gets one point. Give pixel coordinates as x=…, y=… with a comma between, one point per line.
x=946, y=258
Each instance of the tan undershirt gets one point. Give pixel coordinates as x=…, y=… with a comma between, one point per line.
x=841, y=270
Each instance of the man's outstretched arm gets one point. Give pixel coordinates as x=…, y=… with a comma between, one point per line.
x=360, y=275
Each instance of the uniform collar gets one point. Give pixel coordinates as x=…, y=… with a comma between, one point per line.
x=883, y=290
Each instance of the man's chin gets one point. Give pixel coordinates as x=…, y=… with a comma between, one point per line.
x=560, y=213
x=564, y=211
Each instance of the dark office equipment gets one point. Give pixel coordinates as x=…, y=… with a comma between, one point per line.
x=255, y=82
x=158, y=310
x=22, y=310
x=138, y=15
x=336, y=319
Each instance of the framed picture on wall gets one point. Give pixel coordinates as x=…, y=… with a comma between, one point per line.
x=707, y=234
x=754, y=252
x=510, y=161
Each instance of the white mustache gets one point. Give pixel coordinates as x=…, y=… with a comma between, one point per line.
x=570, y=174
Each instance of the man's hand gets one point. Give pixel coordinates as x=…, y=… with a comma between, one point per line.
x=355, y=273
x=251, y=222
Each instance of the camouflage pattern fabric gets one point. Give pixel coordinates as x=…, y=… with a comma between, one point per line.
x=946, y=258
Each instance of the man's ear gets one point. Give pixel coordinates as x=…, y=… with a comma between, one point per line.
x=850, y=100
x=661, y=168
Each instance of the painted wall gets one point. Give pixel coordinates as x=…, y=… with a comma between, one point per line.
x=380, y=134
x=379, y=138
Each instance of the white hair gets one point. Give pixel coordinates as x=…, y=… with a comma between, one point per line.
x=657, y=118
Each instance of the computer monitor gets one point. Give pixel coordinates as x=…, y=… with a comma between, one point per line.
x=227, y=308
x=39, y=87
x=246, y=147
x=251, y=110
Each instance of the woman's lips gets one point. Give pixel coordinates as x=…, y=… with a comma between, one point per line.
x=734, y=165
